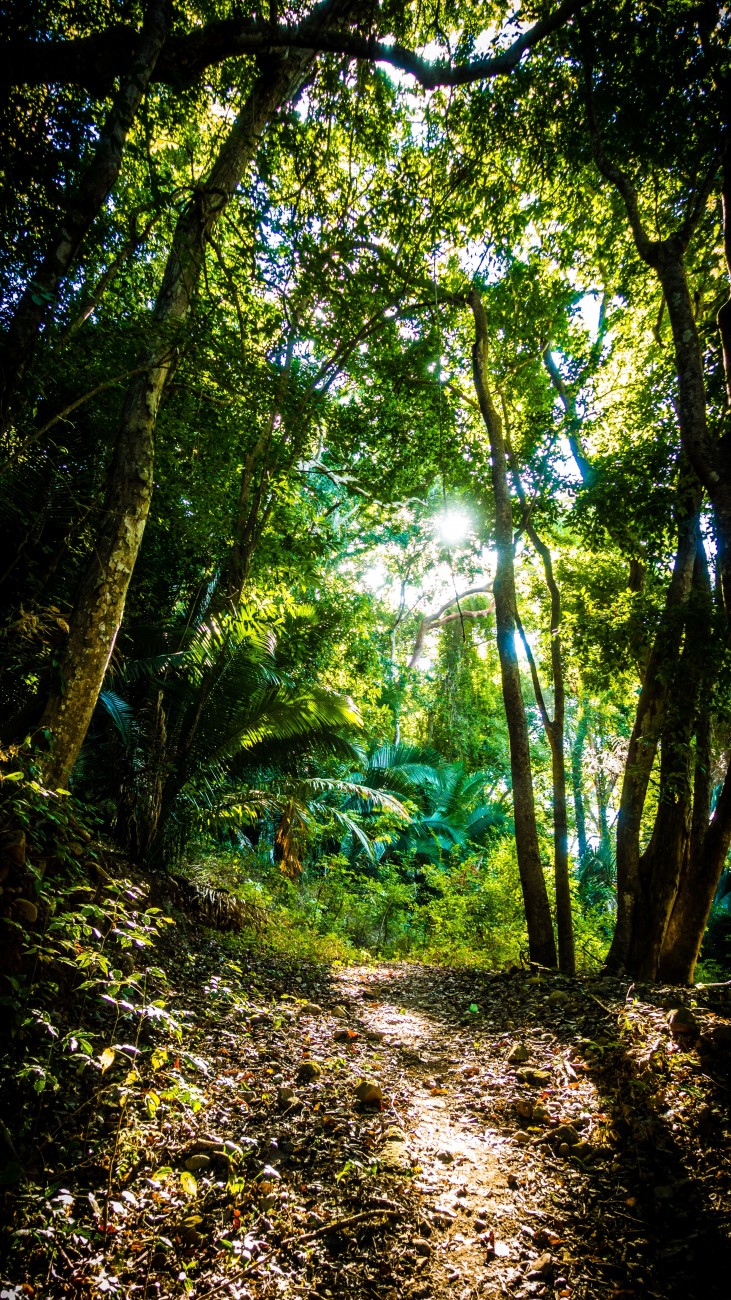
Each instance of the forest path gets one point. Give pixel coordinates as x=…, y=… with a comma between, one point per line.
x=321, y=1132
x=466, y=1172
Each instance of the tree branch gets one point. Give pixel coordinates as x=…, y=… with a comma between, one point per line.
x=94, y=61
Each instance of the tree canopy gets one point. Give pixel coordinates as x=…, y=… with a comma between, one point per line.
x=366, y=387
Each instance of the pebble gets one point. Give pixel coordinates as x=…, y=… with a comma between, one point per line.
x=536, y=1078
x=194, y=1164
x=540, y=1267
x=309, y=1071
x=368, y=1092
x=683, y=1023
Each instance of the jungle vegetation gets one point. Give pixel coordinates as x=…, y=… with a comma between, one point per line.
x=366, y=484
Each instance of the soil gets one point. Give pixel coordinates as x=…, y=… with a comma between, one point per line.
x=392, y=1131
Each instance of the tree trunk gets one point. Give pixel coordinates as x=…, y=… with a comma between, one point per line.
x=667, y=856
x=689, y=917
x=557, y=740
x=100, y=602
x=541, y=941
x=646, y=734
x=577, y=759
x=709, y=842
x=724, y=315
x=709, y=456
x=96, y=186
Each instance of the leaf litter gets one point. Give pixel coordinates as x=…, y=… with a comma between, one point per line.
x=387, y=1131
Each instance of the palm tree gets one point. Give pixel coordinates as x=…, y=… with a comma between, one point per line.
x=450, y=807
x=184, y=721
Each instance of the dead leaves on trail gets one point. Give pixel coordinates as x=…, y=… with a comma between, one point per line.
x=386, y=1132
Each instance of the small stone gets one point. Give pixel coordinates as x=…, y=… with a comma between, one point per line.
x=558, y=997
x=312, y=1009
x=517, y=1054
x=309, y=1071
x=524, y=1108
x=564, y=1133
x=446, y=1156
x=683, y=1023
x=536, y=1078
x=582, y=1150
x=26, y=909
x=286, y=1097
x=422, y=1247
x=195, y=1164
x=540, y=1267
x=368, y=1092
x=523, y=1139
x=395, y=1156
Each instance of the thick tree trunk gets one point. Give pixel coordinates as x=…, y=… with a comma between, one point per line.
x=709, y=841
x=646, y=735
x=667, y=856
x=100, y=602
x=94, y=190
x=541, y=941
x=684, y=933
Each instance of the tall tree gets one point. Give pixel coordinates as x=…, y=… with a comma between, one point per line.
x=541, y=941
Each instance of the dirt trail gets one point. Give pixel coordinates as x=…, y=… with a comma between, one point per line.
x=514, y=1135
x=474, y=1178
x=460, y=1167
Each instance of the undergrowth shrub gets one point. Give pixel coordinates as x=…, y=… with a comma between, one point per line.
x=78, y=990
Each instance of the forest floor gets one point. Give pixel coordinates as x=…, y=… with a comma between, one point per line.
x=392, y=1131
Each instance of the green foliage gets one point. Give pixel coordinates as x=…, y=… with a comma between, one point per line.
x=82, y=989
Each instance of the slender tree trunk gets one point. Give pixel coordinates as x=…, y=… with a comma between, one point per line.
x=541, y=941
x=724, y=315
x=100, y=602
x=709, y=456
x=557, y=740
x=577, y=761
x=646, y=735
x=94, y=190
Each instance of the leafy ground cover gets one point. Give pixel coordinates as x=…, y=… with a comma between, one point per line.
x=310, y=1129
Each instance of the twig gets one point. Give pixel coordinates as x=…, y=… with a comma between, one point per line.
x=603, y=1005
